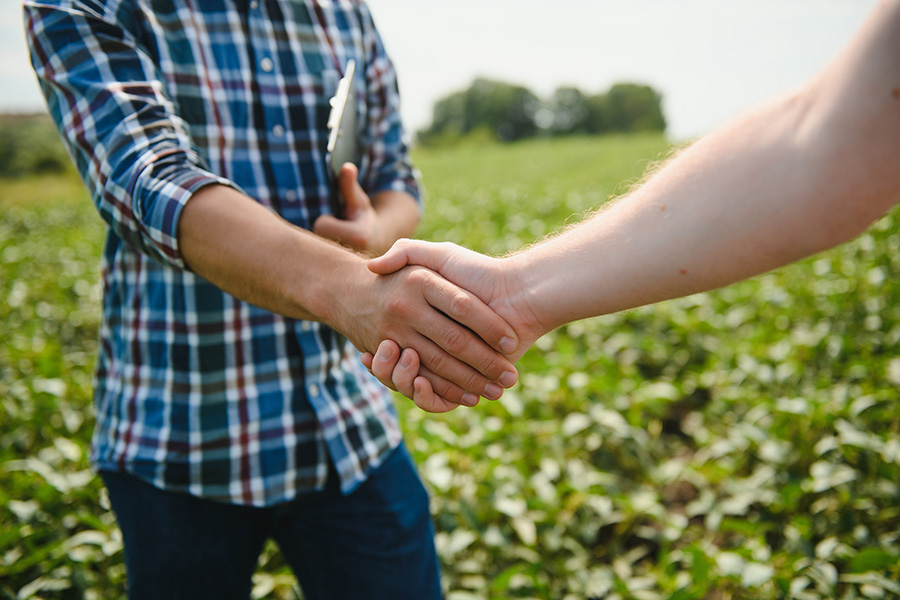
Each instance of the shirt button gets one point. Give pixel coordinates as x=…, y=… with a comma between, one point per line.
x=305, y=325
x=267, y=64
x=313, y=390
x=278, y=131
x=291, y=195
x=254, y=5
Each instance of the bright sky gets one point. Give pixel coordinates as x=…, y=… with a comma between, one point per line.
x=709, y=58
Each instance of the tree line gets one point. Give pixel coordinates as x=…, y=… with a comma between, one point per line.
x=29, y=144
x=512, y=112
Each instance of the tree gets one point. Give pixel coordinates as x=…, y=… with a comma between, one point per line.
x=511, y=112
x=506, y=110
x=597, y=120
x=632, y=107
x=570, y=111
x=29, y=144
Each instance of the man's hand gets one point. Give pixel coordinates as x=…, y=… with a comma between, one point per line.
x=419, y=309
x=492, y=280
x=370, y=225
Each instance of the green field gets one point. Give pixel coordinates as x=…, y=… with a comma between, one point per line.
x=737, y=444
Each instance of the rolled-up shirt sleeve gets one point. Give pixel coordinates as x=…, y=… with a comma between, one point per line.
x=390, y=167
x=109, y=103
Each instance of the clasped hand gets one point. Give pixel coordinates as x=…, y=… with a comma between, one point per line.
x=493, y=281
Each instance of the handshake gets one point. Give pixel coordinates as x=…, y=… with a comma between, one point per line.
x=495, y=318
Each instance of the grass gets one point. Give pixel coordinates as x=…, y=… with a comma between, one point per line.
x=736, y=444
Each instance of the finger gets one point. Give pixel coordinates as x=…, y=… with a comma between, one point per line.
x=433, y=393
x=447, y=387
x=445, y=347
x=386, y=359
x=414, y=252
x=393, y=260
x=427, y=400
x=366, y=359
x=354, y=196
x=405, y=372
x=467, y=309
x=454, y=333
x=398, y=370
x=405, y=251
x=389, y=371
x=460, y=357
x=327, y=226
x=344, y=232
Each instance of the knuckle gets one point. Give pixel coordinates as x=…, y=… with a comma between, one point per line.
x=455, y=341
x=447, y=390
x=382, y=372
x=460, y=304
x=437, y=362
x=419, y=276
x=397, y=305
x=488, y=366
x=473, y=382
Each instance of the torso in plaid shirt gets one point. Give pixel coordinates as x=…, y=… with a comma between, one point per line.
x=197, y=391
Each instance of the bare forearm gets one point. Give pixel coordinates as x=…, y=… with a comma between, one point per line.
x=716, y=213
x=255, y=255
x=796, y=176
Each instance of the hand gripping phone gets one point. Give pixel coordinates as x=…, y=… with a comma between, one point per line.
x=343, y=145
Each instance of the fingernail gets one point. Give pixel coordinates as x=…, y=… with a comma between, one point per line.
x=508, y=379
x=405, y=359
x=469, y=399
x=508, y=345
x=492, y=391
x=386, y=355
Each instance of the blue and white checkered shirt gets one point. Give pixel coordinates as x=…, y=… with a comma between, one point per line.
x=197, y=391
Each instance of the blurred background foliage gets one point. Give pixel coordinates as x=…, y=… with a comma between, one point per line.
x=509, y=112
x=29, y=145
x=736, y=444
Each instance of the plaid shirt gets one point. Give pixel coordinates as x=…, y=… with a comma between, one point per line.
x=195, y=390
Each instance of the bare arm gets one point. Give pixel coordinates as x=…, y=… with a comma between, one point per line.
x=795, y=176
x=798, y=175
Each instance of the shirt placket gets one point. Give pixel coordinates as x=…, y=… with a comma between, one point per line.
x=271, y=82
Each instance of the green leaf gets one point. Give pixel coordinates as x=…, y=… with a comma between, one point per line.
x=872, y=559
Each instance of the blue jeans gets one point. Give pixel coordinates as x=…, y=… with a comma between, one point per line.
x=377, y=542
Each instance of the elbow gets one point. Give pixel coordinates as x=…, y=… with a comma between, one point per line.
x=848, y=163
x=854, y=214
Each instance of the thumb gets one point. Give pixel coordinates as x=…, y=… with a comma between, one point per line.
x=393, y=260
x=404, y=252
x=355, y=198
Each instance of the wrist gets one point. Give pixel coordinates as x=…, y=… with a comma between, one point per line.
x=331, y=277
x=525, y=291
